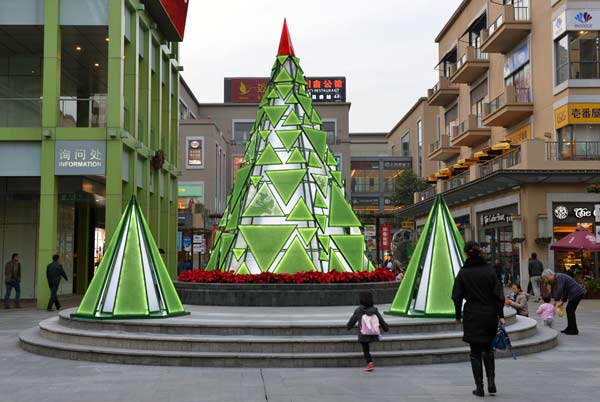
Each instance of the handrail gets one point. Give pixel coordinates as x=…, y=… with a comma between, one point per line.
x=572, y=150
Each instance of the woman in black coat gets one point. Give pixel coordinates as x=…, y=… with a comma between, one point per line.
x=477, y=283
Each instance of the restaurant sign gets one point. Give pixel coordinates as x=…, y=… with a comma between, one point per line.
x=577, y=113
x=252, y=89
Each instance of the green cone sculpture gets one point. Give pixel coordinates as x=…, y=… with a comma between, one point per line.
x=132, y=280
x=287, y=212
x=426, y=288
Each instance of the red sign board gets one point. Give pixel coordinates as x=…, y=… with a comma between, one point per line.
x=251, y=90
x=385, y=237
x=170, y=15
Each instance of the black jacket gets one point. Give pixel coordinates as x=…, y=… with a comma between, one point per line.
x=357, y=316
x=477, y=283
x=53, y=272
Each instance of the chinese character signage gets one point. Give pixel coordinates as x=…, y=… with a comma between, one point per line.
x=327, y=89
x=78, y=158
x=519, y=136
x=170, y=15
x=577, y=113
x=195, y=152
x=385, y=237
x=251, y=90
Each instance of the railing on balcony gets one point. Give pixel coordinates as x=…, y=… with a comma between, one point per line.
x=20, y=112
x=511, y=13
x=458, y=180
x=443, y=83
x=83, y=112
x=428, y=193
x=511, y=95
x=472, y=122
x=472, y=54
x=573, y=150
x=502, y=162
x=435, y=146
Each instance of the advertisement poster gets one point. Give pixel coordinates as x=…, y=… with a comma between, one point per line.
x=385, y=237
x=187, y=244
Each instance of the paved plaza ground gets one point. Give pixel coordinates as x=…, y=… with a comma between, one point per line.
x=570, y=372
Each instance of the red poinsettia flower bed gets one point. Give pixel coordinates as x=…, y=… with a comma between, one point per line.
x=199, y=275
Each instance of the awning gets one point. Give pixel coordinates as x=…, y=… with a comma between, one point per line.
x=442, y=176
x=482, y=156
x=458, y=166
x=431, y=179
x=466, y=162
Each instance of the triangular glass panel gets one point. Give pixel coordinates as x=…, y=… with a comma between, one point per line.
x=319, y=200
x=321, y=181
x=266, y=241
x=285, y=89
x=296, y=157
x=314, y=161
x=318, y=139
x=264, y=134
x=315, y=118
x=263, y=204
x=275, y=113
x=300, y=212
x=272, y=94
x=352, y=248
x=288, y=137
x=307, y=234
x=255, y=180
x=300, y=77
x=283, y=76
x=306, y=103
x=331, y=161
x=335, y=265
x=337, y=176
x=322, y=221
x=340, y=211
x=268, y=157
x=286, y=181
x=282, y=59
x=323, y=255
x=324, y=240
x=292, y=99
x=295, y=260
x=292, y=119
x=238, y=252
x=243, y=269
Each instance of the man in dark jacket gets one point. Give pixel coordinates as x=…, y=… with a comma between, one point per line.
x=12, y=279
x=567, y=290
x=535, y=268
x=54, y=271
x=477, y=283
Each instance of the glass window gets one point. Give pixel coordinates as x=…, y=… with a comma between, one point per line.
x=420, y=148
x=329, y=127
x=241, y=131
x=84, y=12
x=562, y=59
x=141, y=41
x=21, y=55
x=405, y=141
x=84, y=76
x=389, y=179
x=365, y=176
x=478, y=99
x=450, y=118
x=195, y=152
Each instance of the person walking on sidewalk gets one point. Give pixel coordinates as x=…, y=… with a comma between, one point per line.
x=567, y=290
x=477, y=283
x=12, y=279
x=54, y=271
x=369, y=320
x=535, y=269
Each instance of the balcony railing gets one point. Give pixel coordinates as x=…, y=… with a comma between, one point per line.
x=83, y=112
x=507, y=30
x=502, y=162
x=428, y=193
x=458, y=180
x=472, y=54
x=20, y=112
x=512, y=95
x=443, y=83
x=573, y=151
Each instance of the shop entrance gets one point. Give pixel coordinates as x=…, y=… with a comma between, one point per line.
x=19, y=226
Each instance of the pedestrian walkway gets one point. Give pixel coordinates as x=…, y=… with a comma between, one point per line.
x=566, y=373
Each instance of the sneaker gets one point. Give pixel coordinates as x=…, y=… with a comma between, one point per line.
x=572, y=332
x=370, y=367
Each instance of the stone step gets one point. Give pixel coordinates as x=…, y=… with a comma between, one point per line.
x=266, y=321
x=54, y=330
x=32, y=341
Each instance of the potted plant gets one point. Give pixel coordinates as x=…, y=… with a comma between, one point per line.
x=516, y=240
x=158, y=160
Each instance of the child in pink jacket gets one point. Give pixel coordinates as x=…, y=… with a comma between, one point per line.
x=546, y=312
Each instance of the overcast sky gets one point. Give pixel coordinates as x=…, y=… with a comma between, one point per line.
x=384, y=48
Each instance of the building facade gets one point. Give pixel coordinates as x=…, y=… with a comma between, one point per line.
x=519, y=144
x=88, y=118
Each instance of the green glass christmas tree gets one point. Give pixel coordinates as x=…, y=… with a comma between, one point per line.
x=287, y=211
x=426, y=288
x=132, y=280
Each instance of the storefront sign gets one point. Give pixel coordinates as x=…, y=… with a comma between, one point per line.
x=197, y=238
x=170, y=15
x=385, y=237
x=369, y=230
x=251, y=90
x=80, y=158
x=578, y=19
x=191, y=190
x=519, y=136
x=577, y=113
x=365, y=201
x=517, y=59
x=397, y=165
x=408, y=224
x=570, y=213
x=327, y=89
x=498, y=217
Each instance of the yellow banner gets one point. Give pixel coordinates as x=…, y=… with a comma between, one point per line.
x=520, y=135
x=577, y=113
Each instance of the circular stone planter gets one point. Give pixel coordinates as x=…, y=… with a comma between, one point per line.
x=283, y=294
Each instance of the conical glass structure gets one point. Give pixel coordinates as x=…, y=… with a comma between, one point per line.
x=426, y=288
x=287, y=211
x=132, y=280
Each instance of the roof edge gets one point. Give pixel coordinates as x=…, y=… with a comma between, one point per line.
x=452, y=19
x=407, y=114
